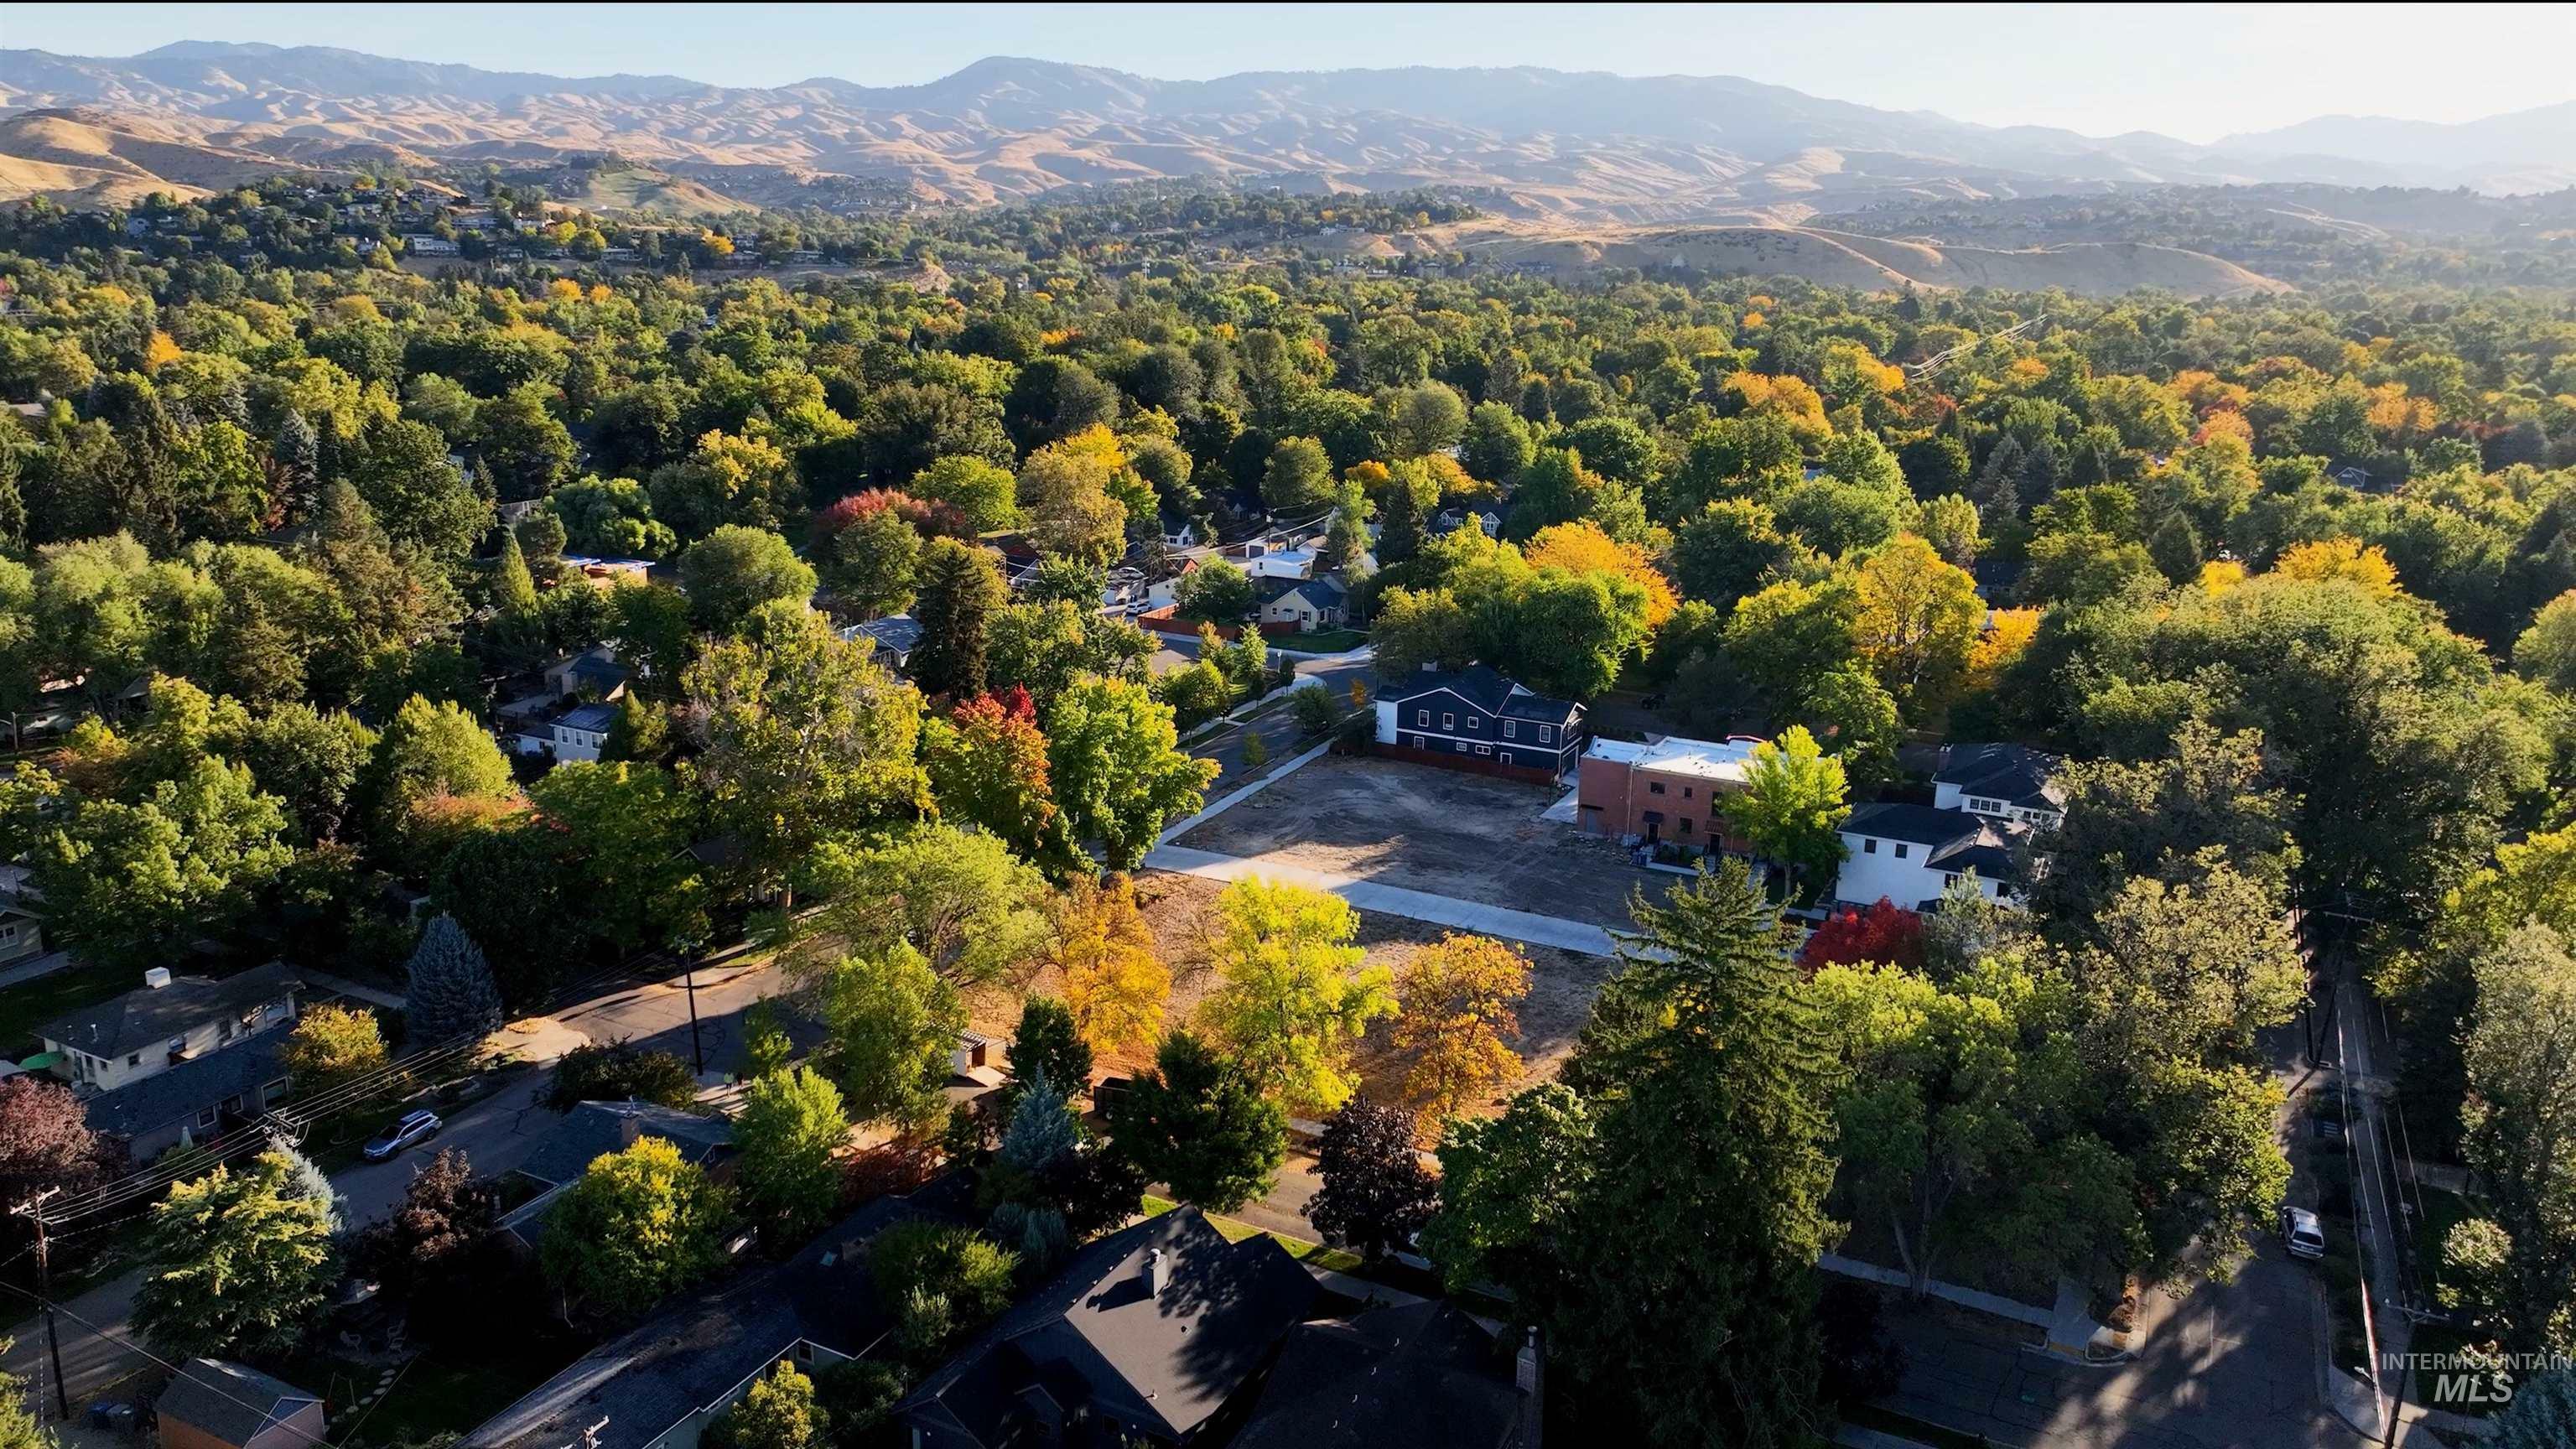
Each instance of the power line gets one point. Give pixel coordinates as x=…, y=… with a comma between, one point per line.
x=110, y=1336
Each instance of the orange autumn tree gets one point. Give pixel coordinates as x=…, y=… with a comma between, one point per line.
x=1114, y=983
x=1582, y=548
x=1459, y=998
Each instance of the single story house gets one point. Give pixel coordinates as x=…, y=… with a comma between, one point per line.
x=1671, y=789
x=198, y=1100
x=592, y=1130
x=607, y=571
x=1910, y=854
x=427, y=244
x=166, y=1022
x=213, y=1404
x=2001, y=782
x=1151, y=1335
x=890, y=639
x=1477, y=714
x=1309, y=604
x=1421, y=1374
x=658, y=1385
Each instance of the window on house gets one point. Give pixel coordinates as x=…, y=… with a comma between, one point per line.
x=206, y=1118
x=1686, y=792
x=1484, y=749
x=134, y=1060
x=1422, y=717
x=232, y=1104
x=1685, y=825
x=1448, y=721
x=1868, y=846
x=1900, y=850
x=1511, y=729
x=1471, y=721
x=1654, y=787
x=1462, y=747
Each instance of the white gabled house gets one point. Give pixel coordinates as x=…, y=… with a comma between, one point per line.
x=1911, y=854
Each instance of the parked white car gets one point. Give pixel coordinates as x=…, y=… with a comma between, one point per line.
x=2301, y=1234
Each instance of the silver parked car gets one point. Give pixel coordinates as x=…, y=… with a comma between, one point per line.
x=2301, y=1234
x=414, y=1129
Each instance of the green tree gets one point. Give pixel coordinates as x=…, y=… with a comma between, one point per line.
x=972, y=910
x=1298, y=479
x=1792, y=805
x=779, y=1411
x=1049, y=1043
x=958, y=594
x=330, y=1045
x=891, y=1023
x=2547, y=650
x=788, y=1131
x=1215, y=592
x=638, y=1226
x=626, y=830
x=236, y=1262
x=874, y=563
x=434, y=750
x=1509, y=1187
x=123, y=880
x=1289, y=999
x=617, y=1071
x=1115, y=760
x=2520, y=1053
x=987, y=496
x=1199, y=1126
x=735, y=570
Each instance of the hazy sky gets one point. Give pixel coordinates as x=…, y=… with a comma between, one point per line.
x=2193, y=71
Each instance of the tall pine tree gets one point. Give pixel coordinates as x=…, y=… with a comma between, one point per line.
x=452, y=991
x=958, y=594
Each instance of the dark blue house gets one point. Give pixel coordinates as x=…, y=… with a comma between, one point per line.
x=1476, y=714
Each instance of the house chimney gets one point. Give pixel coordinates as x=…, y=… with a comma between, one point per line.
x=156, y=977
x=1153, y=1272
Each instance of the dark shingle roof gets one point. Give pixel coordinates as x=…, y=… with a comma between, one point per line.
x=1422, y=1375
x=1094, y=1337
x=231, y=1401
x=148, y=1017
x=702, y=1346
x=184, y=1090
x=594, y=1128
x=2014, y=774
x=1487, y=688
x=1918, y=824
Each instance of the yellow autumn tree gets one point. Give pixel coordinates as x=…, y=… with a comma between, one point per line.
x=1582, y=548
x=2220, y=575
x=159, y=352
x=1114, y=983
x=2341, y=558
x=2007, y=633
x=1459, y=999
x=1915, y=619
x=1791, y=399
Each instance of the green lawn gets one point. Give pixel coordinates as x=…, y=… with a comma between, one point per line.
x=1322, y=641
x=31, y=1004
x=432, y=1396
x=1234, y=1231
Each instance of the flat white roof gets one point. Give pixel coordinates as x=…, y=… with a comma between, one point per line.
x=1672, y=755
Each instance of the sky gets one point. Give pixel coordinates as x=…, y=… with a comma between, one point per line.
x=2197, y=72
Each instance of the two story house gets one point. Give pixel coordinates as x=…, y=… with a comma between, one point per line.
x=1477, y=714
x=1670, y=790
x=1910, y=854
x=180, y=1058
x=2001, y=782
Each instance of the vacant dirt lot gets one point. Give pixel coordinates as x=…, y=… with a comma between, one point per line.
x=1178, y=907
x=1426, y=829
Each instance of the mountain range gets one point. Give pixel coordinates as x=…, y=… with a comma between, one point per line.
x=1561, y=145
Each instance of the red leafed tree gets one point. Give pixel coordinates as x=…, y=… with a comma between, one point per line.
x=988, y=767
x=1886, y=933
x=45, y=1140
x=933, y=519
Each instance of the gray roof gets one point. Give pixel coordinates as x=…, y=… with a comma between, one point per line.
x=234, y=1402
x=2014, y=774
x=593, y=1129
x=896, y=633
x=588, y=717
x=1487, y=688
x=1095, y=1338
x=181, y=1092
x=1322, y=592
x=702, y=1346
x=148, y=1017
x=1915, y=824
x=1422, y=1374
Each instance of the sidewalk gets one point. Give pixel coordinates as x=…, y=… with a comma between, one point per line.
x=1463, y=915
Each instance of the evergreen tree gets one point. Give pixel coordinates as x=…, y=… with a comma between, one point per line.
x=306, y=1179
x=295, y=460
x=452, y=993
x=958, y=594
x=2175, y=546
x=1997, y=485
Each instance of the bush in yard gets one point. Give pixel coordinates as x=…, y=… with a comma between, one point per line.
x=332, y=1044
x=1255, y=753
x=779, y=1411
x=1314, y=711
x=617, y=1071
x=236, y=1263
x=2541, y=1416
x=859, y=1393
x=1376, y=1193
x=638, y=1226
x=452, y=993
x=1885, y=934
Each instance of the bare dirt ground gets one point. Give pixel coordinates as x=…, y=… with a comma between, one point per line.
x=1180, y=907
x=1444, y=831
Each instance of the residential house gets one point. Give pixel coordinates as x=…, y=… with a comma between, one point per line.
x=1672, y=789
x=2001, y=782
x=1150, y=1336
x=425, y=244
x=213, y=1404
x=593, y=675
x=592, y=1130
x=1476, y=713
x=576, y=733
x=22, y=927
x=1421, y=1374
x=1310, y=604
x=180, y=1059
x=1179, y=531
x=1910, y=854
x=660, y=1384
x=891, y=639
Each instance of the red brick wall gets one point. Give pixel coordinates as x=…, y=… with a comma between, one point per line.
x=1470, y=763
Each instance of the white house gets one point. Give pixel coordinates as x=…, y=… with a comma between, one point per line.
x=1910, y=854
x=424, y=244
x=573, y=734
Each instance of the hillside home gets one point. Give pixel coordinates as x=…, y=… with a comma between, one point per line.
x=1669, y=790
x=1910, y=854
x=1475, y=714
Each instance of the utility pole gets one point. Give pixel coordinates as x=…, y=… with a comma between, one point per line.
x=697, y=1052
x=34, y=1210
